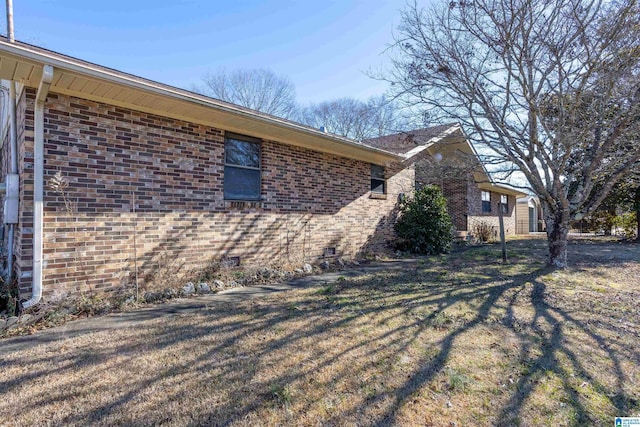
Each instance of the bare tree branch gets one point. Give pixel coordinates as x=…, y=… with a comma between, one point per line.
x=259, y=89
x=550, y=86
x=357, y=119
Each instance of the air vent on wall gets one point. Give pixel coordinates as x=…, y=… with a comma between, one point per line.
x=230, y=262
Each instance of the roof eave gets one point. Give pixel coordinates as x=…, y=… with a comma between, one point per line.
x=23, y=63
x=490, y=186
x=429, y=143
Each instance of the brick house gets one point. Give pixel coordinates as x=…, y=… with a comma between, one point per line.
x=122, y=180
x=452, y=164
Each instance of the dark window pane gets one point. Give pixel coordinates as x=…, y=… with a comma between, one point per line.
x=377, y=172
x=242, y=153
x=377, y=186
x=486, y=206
x=241, y=184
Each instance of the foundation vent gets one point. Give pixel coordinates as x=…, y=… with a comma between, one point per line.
x=230, y=262
x=329, y=252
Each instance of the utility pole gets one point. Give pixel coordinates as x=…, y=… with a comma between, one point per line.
x=10, y=34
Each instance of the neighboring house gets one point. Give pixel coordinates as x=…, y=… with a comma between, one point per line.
x=452, y=164
x=529, y=214
x=123, y=180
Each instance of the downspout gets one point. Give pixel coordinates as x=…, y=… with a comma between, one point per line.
x=38, y=184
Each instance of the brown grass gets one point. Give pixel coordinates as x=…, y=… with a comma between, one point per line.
x=479, y=343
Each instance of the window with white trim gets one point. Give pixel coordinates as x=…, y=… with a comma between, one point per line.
x=504, y=203
x=378, y=185
x=486, y=201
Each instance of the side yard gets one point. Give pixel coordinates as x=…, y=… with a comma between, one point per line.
x=458, y=339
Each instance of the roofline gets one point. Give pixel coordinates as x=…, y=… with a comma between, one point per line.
x=450, y=130
x=491, y=186
x=430, y=142
x=57, y=60
x=527, y=197
x=475, y=153
x=491, y=181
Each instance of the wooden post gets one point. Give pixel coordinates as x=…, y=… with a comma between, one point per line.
x=503, y=241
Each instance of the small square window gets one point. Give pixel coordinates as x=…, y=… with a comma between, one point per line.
x=504, y=204
x=241, y=168
x=486, y=201
x=378, y=184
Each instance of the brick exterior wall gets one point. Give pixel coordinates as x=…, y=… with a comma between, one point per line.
x=477, y=216
x=454, y=191
x=453, y=188
x=464, y=200
x=182, y=224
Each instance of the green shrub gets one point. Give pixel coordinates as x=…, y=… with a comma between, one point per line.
x=626, y=224
x=8, y=297
x=424, y=225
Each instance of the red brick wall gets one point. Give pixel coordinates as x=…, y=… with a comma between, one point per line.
x=182, y=223
x=453, y=188
x=464, y=202
x=454, y=191
x=24, y=231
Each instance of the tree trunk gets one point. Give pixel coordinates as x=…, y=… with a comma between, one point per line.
x=557, y=231
x=636, y=205
x=608, y=222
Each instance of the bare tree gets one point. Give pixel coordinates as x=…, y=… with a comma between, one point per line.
x=342, y=116
x=388, y=117
x=356, y=119
x=259, y=89
x=550, y=86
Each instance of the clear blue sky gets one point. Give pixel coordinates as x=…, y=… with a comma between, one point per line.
x=323, y=47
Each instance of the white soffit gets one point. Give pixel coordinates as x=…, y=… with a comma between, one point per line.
x=23, y=63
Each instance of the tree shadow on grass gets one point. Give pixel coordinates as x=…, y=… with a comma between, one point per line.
x=547, y=328
x=250, y=359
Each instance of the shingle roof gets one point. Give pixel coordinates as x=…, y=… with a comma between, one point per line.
x=404, y=141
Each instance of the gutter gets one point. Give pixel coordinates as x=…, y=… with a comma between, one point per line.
x=39, y=55
x=38, y=185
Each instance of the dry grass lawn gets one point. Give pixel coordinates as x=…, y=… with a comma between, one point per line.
x=458, y=340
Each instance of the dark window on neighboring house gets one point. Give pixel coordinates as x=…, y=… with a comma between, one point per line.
x=241, y=167
x=378, y=185
x=486, y=201
x=504, y=204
